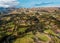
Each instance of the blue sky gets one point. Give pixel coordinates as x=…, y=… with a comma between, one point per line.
x=40, y=3
x=29, y=3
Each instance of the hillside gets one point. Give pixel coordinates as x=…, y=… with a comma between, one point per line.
x=35, y=25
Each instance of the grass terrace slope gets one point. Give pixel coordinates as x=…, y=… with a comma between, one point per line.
x=34, y=25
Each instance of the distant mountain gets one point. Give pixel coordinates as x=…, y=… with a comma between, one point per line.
x=41, y=9
x=6, y=10
x=18, y=10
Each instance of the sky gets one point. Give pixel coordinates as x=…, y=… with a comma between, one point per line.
x=29, y=3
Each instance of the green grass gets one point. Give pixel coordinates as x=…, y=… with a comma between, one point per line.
x=42, y=37
x=49, y=31
x=56, y=40
x=26, y=39
x=22, y=30
x=29, y=34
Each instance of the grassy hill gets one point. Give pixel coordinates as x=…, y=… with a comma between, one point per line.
x=31, y=26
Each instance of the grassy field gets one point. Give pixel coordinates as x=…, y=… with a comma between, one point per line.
x=30, y=27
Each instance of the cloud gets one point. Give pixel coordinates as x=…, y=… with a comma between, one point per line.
x=8, y=3
x=47, y=4
x=44, y=3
